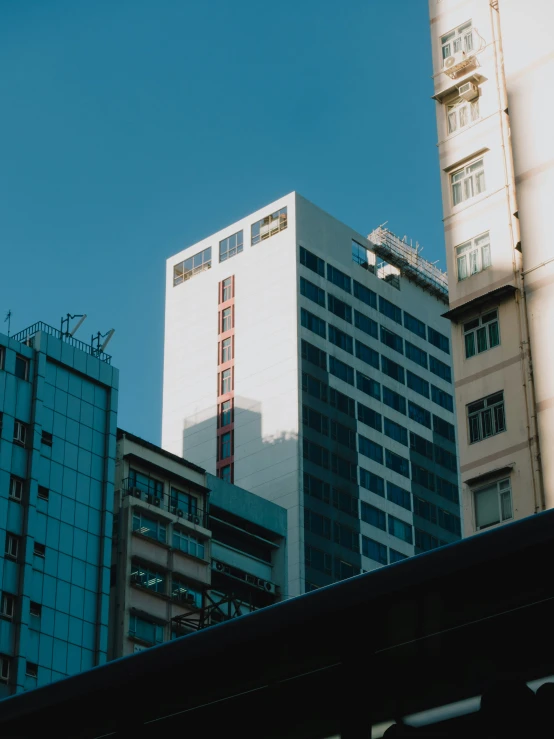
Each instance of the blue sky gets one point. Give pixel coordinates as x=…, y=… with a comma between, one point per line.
x=132, y=129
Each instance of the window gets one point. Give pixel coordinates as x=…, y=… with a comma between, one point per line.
x=345, y=502
x=316, y=487
x=438, y=340
x=399, y=496
x=338, y=278
x=450, y=522
x=364, y=294
x=341, y=370
x=343, y=468
x=182, y=592
x=416, y=354
x=21, y=367
x=400, y=529
x=188, y=544
x=318, y=560
x=396, y=431
x=226, y=319
x=397, y=463
x=368, y=386
x=374, y=550
x=373, y=516
x=421, y=445
x=360, y=256
x=315, y=420
x=226, y=473
x=314, y=355
x=185, y=503
x=16, y=488
x=192, y=266
x=226, y=350
x=414, y=325
x=474, y=256
x=392, y=340
x=424, y=542
x=312, y=323
x=369, y=417
x=493, y=504
x=312, y=292
x=7, y=606
x=4, y=668
x=225, y=445
x=440, y=369
x=461, y=39
x=444, y=429
x=149, y=527
x=394, y=400
x=481, y=334
x=46, y=438
x=419, y=414
x=39, y=550
x=146, y=631
x=339, y=308
x=424, y=509
x=226, y=289
x=461, y=113
x=396, y=556
x=372, y=482
x=226, y=413
x=390, y=310
x=311, y=261
x=486, y=417
x=12, y=546
x=422, y=476
x=315, y=453
x=366, y=324
x=392, y=369
x=314, y=387
x=468, y=182
x=148, y=578
x=342, y=402
x=441, y=398
x=269, y=226
x=145, y=483
x=341, y=339
x=319, y=525
x=346, y=537
x=344, y=435
x=418, y=384
x=226, y=381
x=31, y=669
x=19, y=433
x=35, y=610
x=446, y=459
x=370, y=449
x=230, y=246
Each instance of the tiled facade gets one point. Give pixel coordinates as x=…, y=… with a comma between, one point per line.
x=58, y=411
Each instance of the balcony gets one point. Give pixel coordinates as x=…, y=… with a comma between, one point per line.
x=183, y=511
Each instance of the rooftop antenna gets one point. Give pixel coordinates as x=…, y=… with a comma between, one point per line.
x=65, y=323
x=8, y=318
x=97, y=346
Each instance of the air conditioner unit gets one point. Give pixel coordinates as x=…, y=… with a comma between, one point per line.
x=189, y=597
x=196, y=520
x=468, y=91
x=269, y=587
x=180, y=513
x=137, y=492
x=173, y=509
x=451, y=62
x=157, y=502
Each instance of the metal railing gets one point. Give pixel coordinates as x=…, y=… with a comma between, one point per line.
x=408, y=260
x=164, y=502
x=27, y=335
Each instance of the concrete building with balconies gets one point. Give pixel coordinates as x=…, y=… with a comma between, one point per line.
x=493, y=72
x=189, y=549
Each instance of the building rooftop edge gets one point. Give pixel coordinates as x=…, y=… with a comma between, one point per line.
x=158, y=449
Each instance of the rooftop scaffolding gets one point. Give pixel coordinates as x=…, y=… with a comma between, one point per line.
x=407, y=258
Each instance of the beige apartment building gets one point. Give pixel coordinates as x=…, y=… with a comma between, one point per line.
x=493, y=72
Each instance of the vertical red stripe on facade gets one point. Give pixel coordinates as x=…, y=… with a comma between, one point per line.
x=226, y=380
